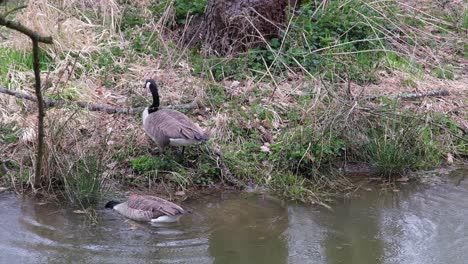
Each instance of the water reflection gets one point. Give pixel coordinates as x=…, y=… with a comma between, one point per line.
x=244, y=231
x=353, y=232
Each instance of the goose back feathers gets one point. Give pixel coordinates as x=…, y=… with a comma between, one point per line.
x=148, y=208
x=169, y=127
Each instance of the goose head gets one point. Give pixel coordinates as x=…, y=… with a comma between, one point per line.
x=111, y=204
x=152, y=86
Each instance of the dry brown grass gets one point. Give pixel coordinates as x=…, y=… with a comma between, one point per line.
x=72, y=30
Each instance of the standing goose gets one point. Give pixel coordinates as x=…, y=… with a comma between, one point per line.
x=148, y=208
x=169, y=127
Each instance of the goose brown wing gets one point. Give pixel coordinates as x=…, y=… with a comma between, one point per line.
x=156, y=205
x=174, y=124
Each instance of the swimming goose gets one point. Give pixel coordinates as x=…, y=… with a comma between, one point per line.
x=169, y=127
x=148, y=208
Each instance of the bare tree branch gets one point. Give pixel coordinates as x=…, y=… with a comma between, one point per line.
x=19, y=27
x=35, y=38
x=48, y=102
x=41, y=113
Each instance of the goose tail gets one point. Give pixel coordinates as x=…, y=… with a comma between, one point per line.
x=202, y=137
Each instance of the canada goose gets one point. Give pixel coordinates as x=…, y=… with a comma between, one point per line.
x=148, y=208
x=169, y=127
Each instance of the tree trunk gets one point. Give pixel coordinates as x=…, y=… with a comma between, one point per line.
x=40, y=115
x=35, y=38
x=232, y=26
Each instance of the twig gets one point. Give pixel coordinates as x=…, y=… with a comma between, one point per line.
x=414, y=95
x=428, y=94
x=14, y=10
x=48, y=103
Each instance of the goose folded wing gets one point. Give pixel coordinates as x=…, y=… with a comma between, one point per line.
x=177, y=125
x=155, y=205
x=165, y=206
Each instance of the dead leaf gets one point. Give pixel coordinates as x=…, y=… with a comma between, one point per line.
x=111, y=165
x=234, y=85
x=265, y=149
x=403, y=179
x=450, y=158
x=179, y=193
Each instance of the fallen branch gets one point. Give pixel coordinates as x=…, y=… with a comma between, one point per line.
x=412, y=96
x=48, y=103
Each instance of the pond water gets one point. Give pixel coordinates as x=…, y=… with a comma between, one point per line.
x=421, y=223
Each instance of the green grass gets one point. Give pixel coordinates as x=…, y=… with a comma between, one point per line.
x=84, y=183
x=19, y=60
x=8, y=133
x=146, y=163
x=304, y=150
x=389, y=152
x=444, y=73
x=399, y=144
x=182, y=9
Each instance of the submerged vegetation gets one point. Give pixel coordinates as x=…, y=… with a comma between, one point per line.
x=288, y=114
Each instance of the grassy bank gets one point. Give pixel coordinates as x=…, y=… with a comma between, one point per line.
x=287, y=115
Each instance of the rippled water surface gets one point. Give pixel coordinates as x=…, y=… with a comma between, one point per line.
x=419, y=224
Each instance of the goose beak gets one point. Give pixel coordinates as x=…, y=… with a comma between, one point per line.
x=144, y=90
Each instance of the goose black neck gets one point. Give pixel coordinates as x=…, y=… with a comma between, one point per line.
x=111, y=204
x=155, y=106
